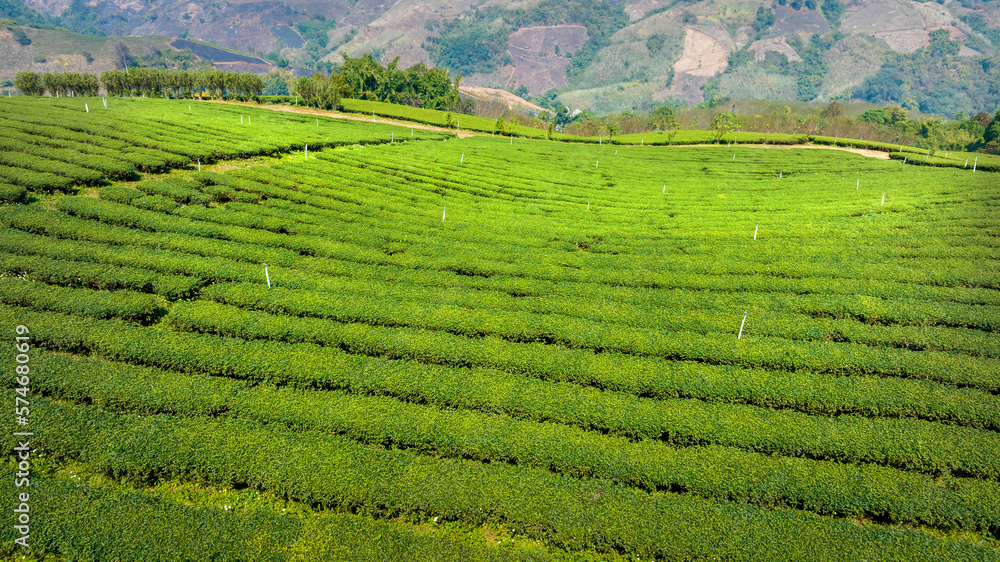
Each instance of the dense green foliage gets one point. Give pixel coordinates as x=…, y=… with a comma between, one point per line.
x=934, y=79
x=417, y=346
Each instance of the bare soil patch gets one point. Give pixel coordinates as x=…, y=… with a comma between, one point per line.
x=503, y=96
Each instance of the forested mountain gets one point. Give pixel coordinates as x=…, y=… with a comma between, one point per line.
x=935, y=57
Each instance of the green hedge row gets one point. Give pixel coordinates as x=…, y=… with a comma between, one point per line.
x=94, y=522
x=11, y=193
x=136, y=198
x=124, y=304
x=649, y=377
x=720, y=473
x=182, y=191
x=564, y=513
x=82, y=176
x=946, y=163
x=903, y=443
x=72, y=273
x=715, y=348
x=36, y=181
x=102, y=163
x=167, y=267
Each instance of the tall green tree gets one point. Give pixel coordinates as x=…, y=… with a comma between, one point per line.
x=29, y=83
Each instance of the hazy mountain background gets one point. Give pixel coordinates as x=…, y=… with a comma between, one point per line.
x=938, y=57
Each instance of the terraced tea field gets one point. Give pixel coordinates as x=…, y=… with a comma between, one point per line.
x=422, y=347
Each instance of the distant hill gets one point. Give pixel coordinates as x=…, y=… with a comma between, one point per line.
x=936, y=57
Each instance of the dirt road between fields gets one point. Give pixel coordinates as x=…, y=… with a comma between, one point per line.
x=356, y=117
x=465, y=134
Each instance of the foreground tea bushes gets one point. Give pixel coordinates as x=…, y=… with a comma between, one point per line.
x=125, y=524
x=126, y=305
x=330, y=471
x=712, y=472
x=772, y=353
x=905, y=443
x=649, y=377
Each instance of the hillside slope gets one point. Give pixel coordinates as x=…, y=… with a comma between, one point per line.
x=611, y=56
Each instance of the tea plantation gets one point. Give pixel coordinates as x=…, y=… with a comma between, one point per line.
x=402, y=345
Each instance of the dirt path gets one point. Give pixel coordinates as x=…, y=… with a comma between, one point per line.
x=862, y=151
x=352, y=116
x=464, y=134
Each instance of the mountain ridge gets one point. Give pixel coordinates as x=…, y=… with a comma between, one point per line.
x=606, y=57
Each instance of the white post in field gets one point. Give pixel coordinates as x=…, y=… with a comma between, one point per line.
x=882, y=204
x=86, y=106
x=444, y=213
x=755, y=231
x=741, y=325
x=267, y=276
x=199, y=164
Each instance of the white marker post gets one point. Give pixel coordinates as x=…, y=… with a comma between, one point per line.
x=307, y=152
x=905, y=158
x=967, y=163
x=755, y=231
x=106, y=102
x=741, y=325
x=974, y=164
x=317, y=122
x=241, y=118
x=588, y=204
x=598, y=161
x=857, y=186
x=267, y=276
x=664, y=188
x=883, y=201
x=392, y=138
x=199, y=164
x=779, y=175
x=734, y=157
x=512, y=140
x=87, y=107
x=462, y=161
x=445, y=212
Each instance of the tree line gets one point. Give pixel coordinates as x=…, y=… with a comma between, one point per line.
x=361, y=78
x=149, y=82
